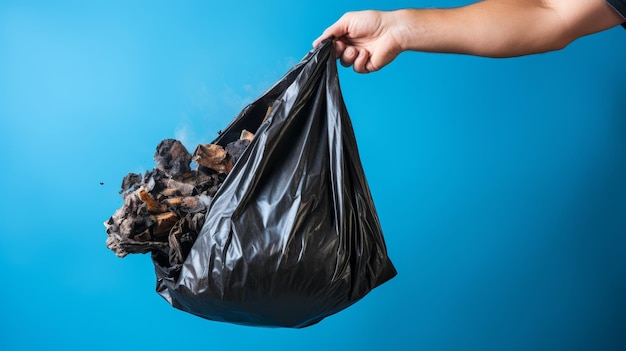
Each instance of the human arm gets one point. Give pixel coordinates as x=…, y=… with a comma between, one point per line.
x=369, y=40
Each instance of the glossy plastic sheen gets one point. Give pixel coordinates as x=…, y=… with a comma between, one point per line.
x=292, y=236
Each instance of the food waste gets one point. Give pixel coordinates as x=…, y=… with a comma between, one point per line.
x=164, y=209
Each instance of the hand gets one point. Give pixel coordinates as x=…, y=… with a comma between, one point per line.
x=366, y=40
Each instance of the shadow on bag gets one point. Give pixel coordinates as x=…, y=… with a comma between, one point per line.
x=292, y=236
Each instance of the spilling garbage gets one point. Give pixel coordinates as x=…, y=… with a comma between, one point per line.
x=164, y=209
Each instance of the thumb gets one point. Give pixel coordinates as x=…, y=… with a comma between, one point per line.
x=337, y=30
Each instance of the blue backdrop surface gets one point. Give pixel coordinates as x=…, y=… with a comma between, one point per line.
x=500, y=183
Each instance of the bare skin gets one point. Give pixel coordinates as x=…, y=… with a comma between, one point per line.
x=369, y=40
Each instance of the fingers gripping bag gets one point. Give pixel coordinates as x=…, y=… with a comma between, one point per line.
x=292, y=235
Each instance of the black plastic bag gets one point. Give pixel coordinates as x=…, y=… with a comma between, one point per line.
x=292, y=236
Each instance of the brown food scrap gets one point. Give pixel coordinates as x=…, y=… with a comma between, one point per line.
x=246, y=135
x=164, y=222
x=190, y=204
x=176, y=188
x=212, y=156
x=151, y=204
x=173, y=201
x=267, y=113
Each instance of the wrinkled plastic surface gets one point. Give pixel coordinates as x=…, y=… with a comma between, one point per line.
x=292, y=236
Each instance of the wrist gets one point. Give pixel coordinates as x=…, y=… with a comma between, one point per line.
x=406, y=27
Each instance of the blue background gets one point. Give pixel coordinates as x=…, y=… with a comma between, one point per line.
x=500, y=183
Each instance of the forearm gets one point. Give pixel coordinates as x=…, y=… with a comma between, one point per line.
x=502, y=28
x=369, y=40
